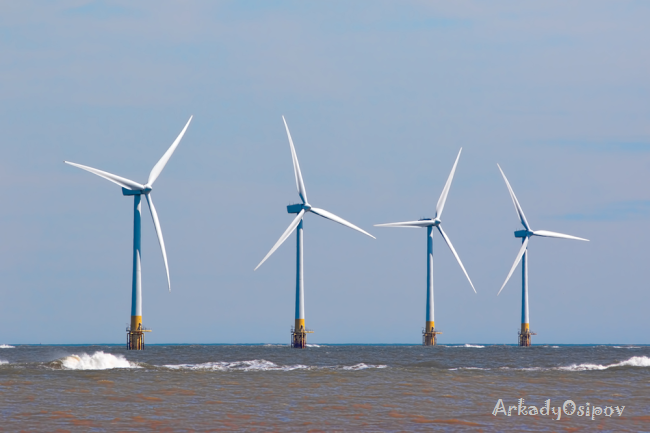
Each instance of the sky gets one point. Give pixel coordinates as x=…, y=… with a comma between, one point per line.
x=379, y=96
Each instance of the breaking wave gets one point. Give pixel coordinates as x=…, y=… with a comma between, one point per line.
x=478, y=346
x=361, y=366
x=6, y=346
x=635, y=361
x=469, y=368
x=263, y=365
x=626, y=347
x=2, y=361
x=96, y=361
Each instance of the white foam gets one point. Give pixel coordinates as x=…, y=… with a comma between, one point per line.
x=2, y=361
x=254, y=365
x=261, y=365
x=469, y=345
x=96, y=361
x=6, y=346
x=469, y=368
x=312, y=345
x=635, y=361
x=626, y=347
x=362, y=366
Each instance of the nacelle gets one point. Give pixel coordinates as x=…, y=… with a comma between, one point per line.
x=522, y=233
x=130, y=192
x=294, y=208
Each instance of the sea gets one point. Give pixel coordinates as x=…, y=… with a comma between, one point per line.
x=325, y=388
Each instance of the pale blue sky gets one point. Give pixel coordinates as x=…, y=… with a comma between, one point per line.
x=379, y=97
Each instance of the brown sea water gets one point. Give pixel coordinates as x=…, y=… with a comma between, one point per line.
x=327, y=388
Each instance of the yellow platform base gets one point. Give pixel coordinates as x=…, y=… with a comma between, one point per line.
x=299, y=335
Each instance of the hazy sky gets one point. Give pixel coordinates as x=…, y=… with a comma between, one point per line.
x=379, y=97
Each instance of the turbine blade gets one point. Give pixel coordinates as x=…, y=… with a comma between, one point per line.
x=451, y=247
x=521, y=252
x=296, y=167
x=518, y=209
x=445, y=191
x=408, y=224
x=158, y=168
x=547, y=234
x=119, y=180
x=331, y=216
x=156, y=224
x=284, y=236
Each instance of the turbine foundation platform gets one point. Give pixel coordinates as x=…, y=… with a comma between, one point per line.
x=525, y=339
x=429, y=336
x=299, y=337
x=135, y=338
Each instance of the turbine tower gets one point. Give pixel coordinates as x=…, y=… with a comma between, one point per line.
x=299, y=332
x=135, y=333
x=429, y=335
x=525, y=333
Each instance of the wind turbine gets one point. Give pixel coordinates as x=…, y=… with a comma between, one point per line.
x=429, y=334
x=299, y=333
x=135, y=333
x=522, y=255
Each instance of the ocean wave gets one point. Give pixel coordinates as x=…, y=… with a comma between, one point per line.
x=312, y=345
x=635, y=361
x=626, y=347
x=2, y=361
x=6, y=346
x=477, y=346
x=469, y=368
x=254, y=365
x=362, y=366
x=96, y=361
x=262, y=365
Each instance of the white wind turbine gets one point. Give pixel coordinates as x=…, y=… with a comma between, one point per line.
x=299, y=334
x=430, y=332
x=129, y=187
x=522, y=255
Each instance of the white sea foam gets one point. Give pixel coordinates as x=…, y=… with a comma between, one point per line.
x=312, y=345
x=469, y=368
x=96, y=361
x=254, y=365
x=362, y=366
x=6, y=346
x=626, y=347
x=469, y=345
x=635, y=361
x=2, y=361
x=260, y=365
